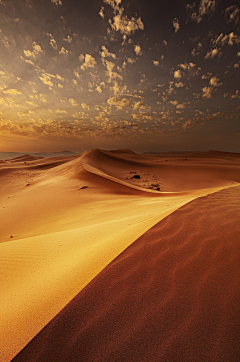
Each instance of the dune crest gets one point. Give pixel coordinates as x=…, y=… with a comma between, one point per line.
x=173, y=295
x=64, y=219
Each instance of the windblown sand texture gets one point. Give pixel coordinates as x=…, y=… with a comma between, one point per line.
x=154, y=274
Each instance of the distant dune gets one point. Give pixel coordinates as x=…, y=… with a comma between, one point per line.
x=117, y=256
x=12, y=155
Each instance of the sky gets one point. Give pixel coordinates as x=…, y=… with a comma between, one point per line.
x=154, y=75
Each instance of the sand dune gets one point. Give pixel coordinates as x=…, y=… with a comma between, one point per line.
x=173, y=295
x=64, y=219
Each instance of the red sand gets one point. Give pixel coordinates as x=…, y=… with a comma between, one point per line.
x=173, y=295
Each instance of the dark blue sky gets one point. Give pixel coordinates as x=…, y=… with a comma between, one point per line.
x=146, y=75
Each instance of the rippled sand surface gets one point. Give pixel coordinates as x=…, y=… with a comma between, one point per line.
x=119, y=271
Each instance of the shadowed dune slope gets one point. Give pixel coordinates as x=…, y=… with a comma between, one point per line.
x=178, y=174
x=25, y=158
x=173, y=295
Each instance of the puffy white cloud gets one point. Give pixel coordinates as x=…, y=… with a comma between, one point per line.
x=101, y=13
x=214, y=82
x=46, y=79
x=61, y=111
x=174, y=103
x=207, y=92
x=11, y=91
x=121, y=22
x=233, y=12
x=85, y=106
x=205, y=8
x=177, y=74
x=63, y=51
x=36, y=50
x=229, y=39
x=179, y=85
x=52, y=41
x=156, y=63
x=180, y=106
x=197, y=50
x=72, y=102
x=236, y=95
x=105, y=53
x=57, y=2
x=137, y=49
x=89, y=62
x=213, y=53
x=187, y=124
x=176, y=25
x=138, y=105
x=68, y=39
x=119, y=103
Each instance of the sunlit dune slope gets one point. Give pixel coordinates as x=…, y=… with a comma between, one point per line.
x=64, y=219
x=173, y=295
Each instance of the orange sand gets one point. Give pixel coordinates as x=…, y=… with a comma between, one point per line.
x=171, y=295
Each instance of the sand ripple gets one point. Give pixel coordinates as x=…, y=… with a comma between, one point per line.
x=173, y=295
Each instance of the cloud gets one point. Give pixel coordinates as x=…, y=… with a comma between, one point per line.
x=11, y=91
x=214, y=82
x=229, y=39
x=156, y=63
x=213, y=53
x=63, y=51
x=119, y=103
x=137, y=49
x=122, y=23
x=89, y=62
x=187, y=124
x=177, y=74
x=61, y=111
x=52, y=41
x=37, y=48
x=131, y=60
x=206, y=7
x=98, y=89
x=174, y=103
x=180, y=106
x=207, y=92
x=176, y=25
x=68, y=39
x=197, y=50
x=72, y=102
x=109, y=66
x=46, y=79
x=236, y=95
x=179, y=85
x=85, y=106
x=57, y=2
x=101, y=12
x=27, y=61
x=138, y=105
x=233, y=13
x=36, y=51
x=188, y=66
x=105, y=53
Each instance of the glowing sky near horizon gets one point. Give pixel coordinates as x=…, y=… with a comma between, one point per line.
x=147, y=75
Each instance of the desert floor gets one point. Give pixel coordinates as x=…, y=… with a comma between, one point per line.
x=114, y=256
